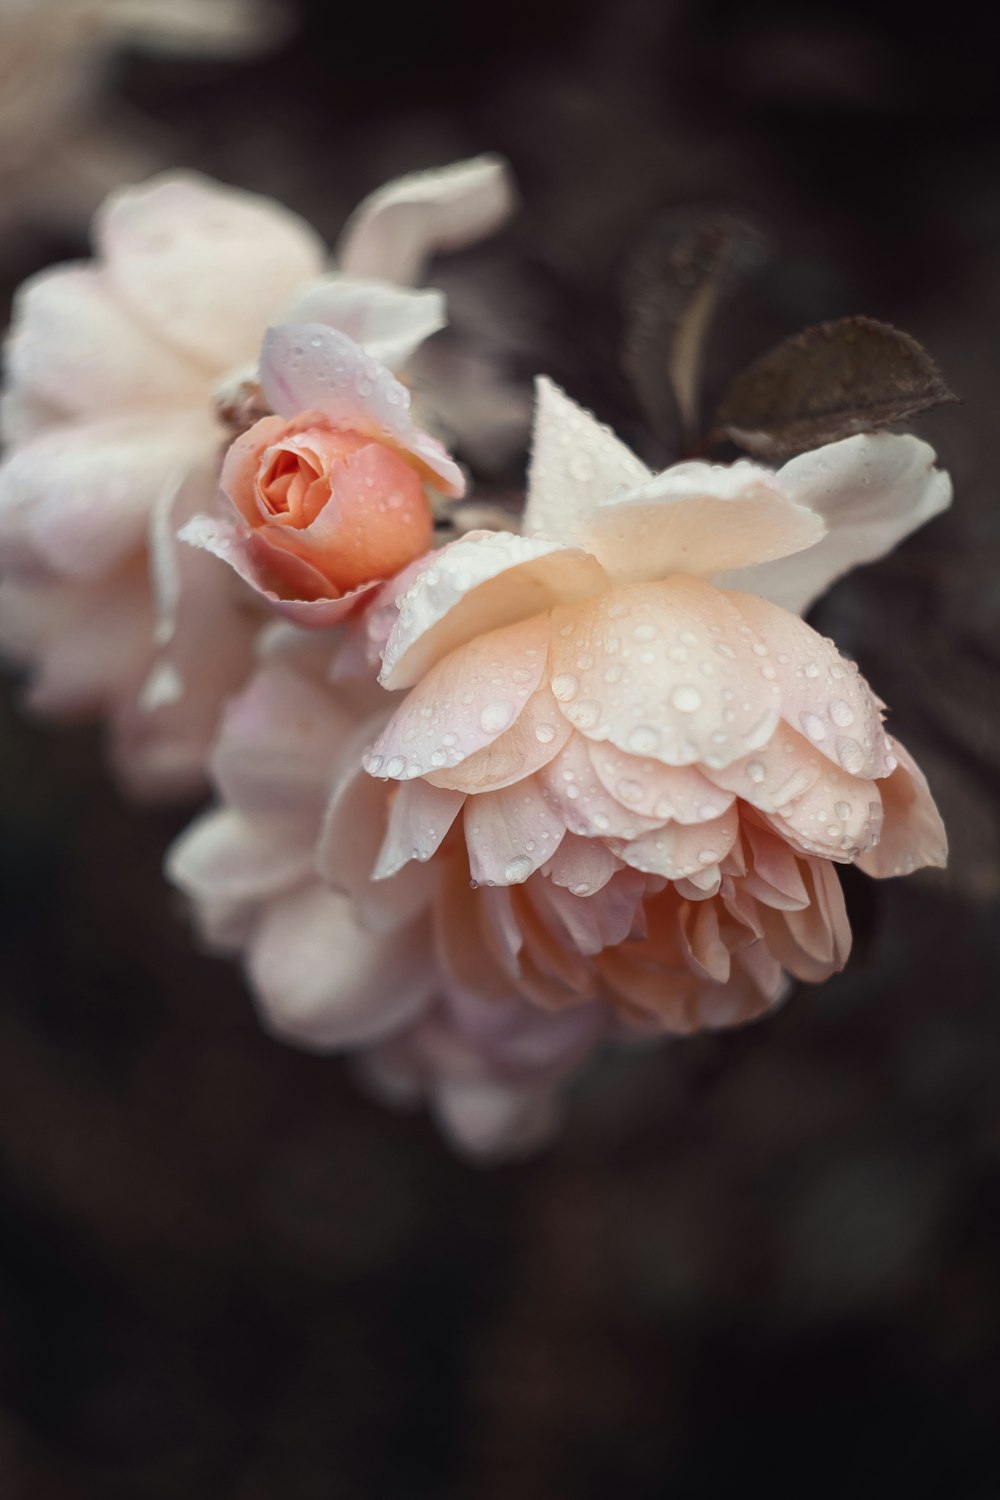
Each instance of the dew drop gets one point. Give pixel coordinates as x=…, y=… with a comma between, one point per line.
x=842, y=809
x=685, y=698
x=756, y=771
x=565, y=687
x=496, y=716
x=813, y=726
x=586, y=713
x=841, y=713
x=644, y=739
x=644, y=632
x=850, y=754
x=545, y=733
x=628, y=790
x=518, y=869
x=395, y=766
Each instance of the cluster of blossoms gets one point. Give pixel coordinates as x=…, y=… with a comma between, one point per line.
x=481, y=807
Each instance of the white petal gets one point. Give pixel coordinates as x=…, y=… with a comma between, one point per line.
x=310, y=367
x=322, y=981
x=395, y=230
x=389, y=322
x=483, y=581
x=871, y=490
x=205, y=267
x=224, y=856
x=73, y=345
x=699, y=519
x=576, y=463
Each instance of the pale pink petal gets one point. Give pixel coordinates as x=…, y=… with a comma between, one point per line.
x=601, y=917
x=536, y=737
x=226, y=857
x=464, y=703
x=775, y=774
x=576, y=463
x=419, y=818
x=666, y=671
x=490, y=1119
x=680, y=794
x=510, y=834
x=322, y=981
x=76, y=501
x=774, y=877
x=246, y=552
x=839, y=817
x=678, y=850
x=483, y=581
x=389, y=322
x=73, y=346
x=871, y=490
x=362, y=640
x=394, y=232
x=699, y=519
x=583, y=803
x=204, y=267
x=822, y=694
x=913, y=834
x=278, y=742
x=310, y=367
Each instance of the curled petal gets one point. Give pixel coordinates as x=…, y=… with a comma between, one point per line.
x=205, y=267
x=871, y=491
x=679, y=850
x=913, y=834
x=481, y=582
x=464, y=704
x=666, y=671
x=822, y=695
x=311, y=367
x=576, y=463
x=395, y=230
x=584, y=805
x=225, y=856
x=536, y=737
x=389, y=322
x=680, y=794
x=323, y=981
x=699, y=519
x=247, y=552
x=419, y=819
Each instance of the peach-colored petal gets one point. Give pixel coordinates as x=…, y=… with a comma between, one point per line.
x=536, y=737
x=419, y=818
x=666, y=671
x=464, y=703
x=510, y=834
x=322, y=981
x=871, y=490
x=823, y=695
x=396, y=229
x=699, y=519
x=76, y=501
x=678, y=850
x=204, y=267
x=389, y=322
x=252, y=558
x=581, y=865
x=775, y=774
x=75, y=347
x=310, y=367
x=583, y=803
x=913, y=834
x=479, y=583
x=576, y=463
x=681, y=794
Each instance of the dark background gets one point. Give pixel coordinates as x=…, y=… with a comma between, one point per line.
x=762, y=1259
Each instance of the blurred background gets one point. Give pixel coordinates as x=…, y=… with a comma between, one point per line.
x=768, y=1256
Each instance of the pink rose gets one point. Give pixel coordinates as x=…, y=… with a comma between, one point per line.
x=117, y=374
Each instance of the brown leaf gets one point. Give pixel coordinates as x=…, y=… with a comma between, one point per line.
x=678, y=272
x=829, y=382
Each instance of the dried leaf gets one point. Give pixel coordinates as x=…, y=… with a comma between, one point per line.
x=677, y=274
x=829, y=382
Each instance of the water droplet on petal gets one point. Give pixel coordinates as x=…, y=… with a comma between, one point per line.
x=850, y=754
x=518, y=869
x=813, y=726
x=644, y=739
x=565, y=687
x=545, y=733
x=841, y=713
x=685, y=698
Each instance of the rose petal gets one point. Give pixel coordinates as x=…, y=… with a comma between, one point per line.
x=389, y=322
x=913, y=834
x=395, y=230
x=665, y=671
x=510, y=834
x=419, y=818
x=678, y=850
x=576, y=463
x=323, y=982
x=573, y=789
x=871, y=490
x=481, y=582
x=225, y=856
x=73, y=346
x=204, y=267
x=536, y=736
x=310, y=367
x=681, y=794
x=697, y=519
x=466, y=702
x=822, y=695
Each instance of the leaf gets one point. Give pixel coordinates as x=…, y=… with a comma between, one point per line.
x=829, y=382
x=674, y=281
